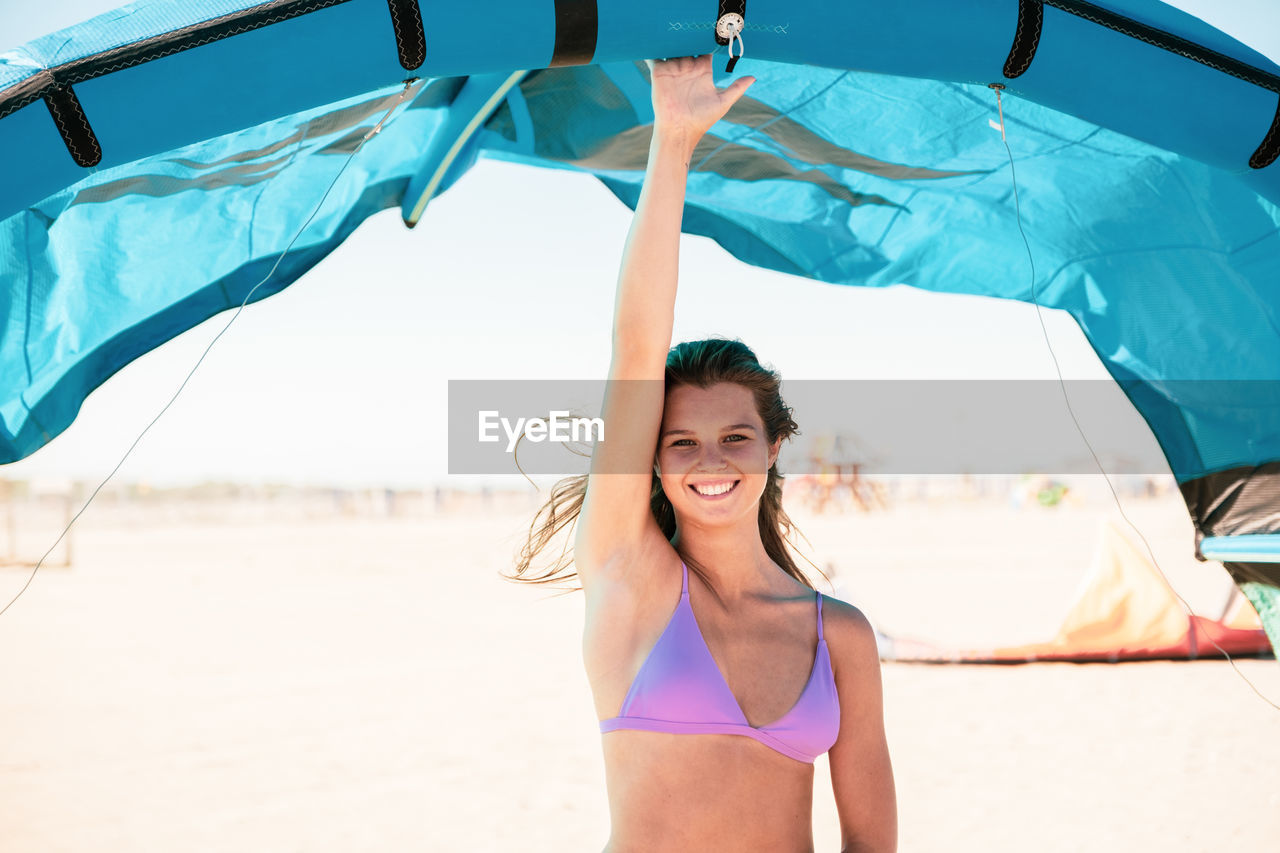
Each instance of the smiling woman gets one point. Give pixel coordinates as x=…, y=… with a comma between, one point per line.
x=714, y=700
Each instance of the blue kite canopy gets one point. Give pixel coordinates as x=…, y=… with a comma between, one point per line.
x=163, y=156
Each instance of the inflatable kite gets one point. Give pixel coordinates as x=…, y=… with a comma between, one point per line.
x=1124, y=611
x=160, y=159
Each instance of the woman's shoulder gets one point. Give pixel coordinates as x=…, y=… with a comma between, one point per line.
x=850, y=636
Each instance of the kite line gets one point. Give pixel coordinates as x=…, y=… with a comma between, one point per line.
x=1013, y=176
x=409, y=86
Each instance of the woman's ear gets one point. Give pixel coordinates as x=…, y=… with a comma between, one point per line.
x=774, y=449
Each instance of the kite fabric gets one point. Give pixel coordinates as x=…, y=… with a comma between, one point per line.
x=160, y=159
x=1124, y=611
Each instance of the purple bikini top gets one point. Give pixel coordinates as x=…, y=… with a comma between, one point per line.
x=679, y=690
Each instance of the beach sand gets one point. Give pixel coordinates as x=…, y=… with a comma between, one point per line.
x=231, y=682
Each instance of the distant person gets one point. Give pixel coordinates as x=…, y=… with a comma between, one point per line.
x=719, y=674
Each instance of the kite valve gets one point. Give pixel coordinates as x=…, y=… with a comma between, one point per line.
x=404, y=93
x=729, y=27
x=1000, y=108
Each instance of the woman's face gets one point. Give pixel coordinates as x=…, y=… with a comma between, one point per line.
x=713, y=454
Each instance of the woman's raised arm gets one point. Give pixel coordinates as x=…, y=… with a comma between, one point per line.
x=615, y=513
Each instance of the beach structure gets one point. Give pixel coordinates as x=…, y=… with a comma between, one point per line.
x=1115, y=160
x=834, y=477
x=37, y=513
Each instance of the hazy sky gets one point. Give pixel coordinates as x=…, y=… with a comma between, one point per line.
x=342, y=377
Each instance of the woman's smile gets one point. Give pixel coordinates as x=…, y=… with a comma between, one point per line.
x=714, y=491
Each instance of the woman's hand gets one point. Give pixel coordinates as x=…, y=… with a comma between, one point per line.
x=686, y=102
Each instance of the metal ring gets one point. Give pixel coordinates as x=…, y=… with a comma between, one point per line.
x=729, y=25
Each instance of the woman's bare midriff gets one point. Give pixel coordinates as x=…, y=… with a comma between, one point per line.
x=677, y=792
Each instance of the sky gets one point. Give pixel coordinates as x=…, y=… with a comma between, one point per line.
x=341, y=379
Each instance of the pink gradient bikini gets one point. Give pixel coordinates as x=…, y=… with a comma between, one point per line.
x=680, y=690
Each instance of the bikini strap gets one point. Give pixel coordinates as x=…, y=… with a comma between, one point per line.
x=819, y=616
x=684, y=584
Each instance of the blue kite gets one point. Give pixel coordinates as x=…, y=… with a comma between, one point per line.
x=161, y=158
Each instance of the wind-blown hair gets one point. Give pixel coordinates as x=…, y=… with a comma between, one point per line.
x=701, y=364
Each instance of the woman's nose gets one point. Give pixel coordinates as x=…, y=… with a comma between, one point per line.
x=711, y=458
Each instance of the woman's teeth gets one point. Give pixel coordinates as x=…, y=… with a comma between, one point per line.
x=718, y=489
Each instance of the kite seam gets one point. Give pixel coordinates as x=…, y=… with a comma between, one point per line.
x=1170, y=42
x=125, y=56
x=777, y=29
x=89, y=74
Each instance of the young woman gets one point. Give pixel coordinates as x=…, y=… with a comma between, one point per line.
x=719, y=673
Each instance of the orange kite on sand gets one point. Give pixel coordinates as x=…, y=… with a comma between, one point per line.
x=1125, y=612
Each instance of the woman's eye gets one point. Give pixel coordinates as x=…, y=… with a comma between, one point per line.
x=735, y=437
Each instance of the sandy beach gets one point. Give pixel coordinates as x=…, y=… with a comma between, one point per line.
x=320, y=681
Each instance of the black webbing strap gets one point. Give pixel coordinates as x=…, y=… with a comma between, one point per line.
x=730, y=7
x=731, y=20
x=73, y=125
x=577, y=25
x=1270, y=147
x=411, y=42
x=1025, y=39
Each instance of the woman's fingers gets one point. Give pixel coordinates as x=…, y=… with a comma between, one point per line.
x=685, y=93
x=683, y=63
x=734, y=90
x=730, y=94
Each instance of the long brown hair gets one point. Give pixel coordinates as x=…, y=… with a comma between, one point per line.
x=702, y=364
